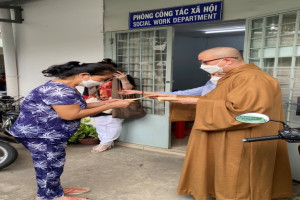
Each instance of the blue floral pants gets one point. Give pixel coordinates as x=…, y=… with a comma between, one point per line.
x=48, y=156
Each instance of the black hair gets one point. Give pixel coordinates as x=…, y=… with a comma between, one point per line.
x=74, y=67
x=109, y=61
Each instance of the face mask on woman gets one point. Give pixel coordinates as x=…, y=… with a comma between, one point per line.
x=212, y=68
x=90, y=83
x=214, y=79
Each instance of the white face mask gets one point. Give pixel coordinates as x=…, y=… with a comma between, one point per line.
x=212, y=68
x=90, y=83
x=214, y=79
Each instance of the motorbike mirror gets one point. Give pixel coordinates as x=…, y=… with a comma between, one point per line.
x=252, y=118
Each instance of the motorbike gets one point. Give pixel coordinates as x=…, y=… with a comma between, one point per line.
x=291, y=135
x=9, y=112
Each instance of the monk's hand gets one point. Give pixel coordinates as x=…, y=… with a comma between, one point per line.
x=186, y=100
x=154, y=95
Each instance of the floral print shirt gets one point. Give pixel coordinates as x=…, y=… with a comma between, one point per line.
x=38, y=119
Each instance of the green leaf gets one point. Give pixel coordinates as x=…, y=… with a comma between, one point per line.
x=84, y=131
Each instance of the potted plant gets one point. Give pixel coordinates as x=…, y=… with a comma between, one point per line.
x=85, y=134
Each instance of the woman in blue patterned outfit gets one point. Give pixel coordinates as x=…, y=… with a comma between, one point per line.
x=51, y=113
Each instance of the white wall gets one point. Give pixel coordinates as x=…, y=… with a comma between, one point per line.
x=117, y=11
x=55, y=32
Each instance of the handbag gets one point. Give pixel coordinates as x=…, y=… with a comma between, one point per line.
x=134, y=110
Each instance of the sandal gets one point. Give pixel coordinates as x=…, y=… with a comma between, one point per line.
x=97, y=146
x=102, y=147
x=74, y=190
x=75, y=198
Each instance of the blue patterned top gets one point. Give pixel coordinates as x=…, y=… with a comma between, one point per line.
x=38, y=119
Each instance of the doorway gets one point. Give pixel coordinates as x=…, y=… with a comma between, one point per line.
x=189, y=41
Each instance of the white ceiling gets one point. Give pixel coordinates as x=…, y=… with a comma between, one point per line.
x=198, y=29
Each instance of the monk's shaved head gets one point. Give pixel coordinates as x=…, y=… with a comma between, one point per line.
x=227, y=58
x=220, y=52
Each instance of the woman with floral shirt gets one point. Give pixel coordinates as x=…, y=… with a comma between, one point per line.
x=51, y=113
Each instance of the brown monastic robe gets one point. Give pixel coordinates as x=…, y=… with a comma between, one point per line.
x=217, y=163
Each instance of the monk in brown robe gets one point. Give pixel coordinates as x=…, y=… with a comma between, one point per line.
x=217, y=163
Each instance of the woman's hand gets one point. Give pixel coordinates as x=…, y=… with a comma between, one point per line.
x=73, y=111
x=121, y=76
x=110, y=100
x=118, y=103
x=127, y=92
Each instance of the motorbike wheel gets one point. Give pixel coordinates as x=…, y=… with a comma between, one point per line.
x=8, y=154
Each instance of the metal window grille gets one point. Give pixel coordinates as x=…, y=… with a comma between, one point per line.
x=143, y=55
x=273, y=43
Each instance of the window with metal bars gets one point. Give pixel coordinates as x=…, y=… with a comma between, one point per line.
x=143, y=55
x=273, y=43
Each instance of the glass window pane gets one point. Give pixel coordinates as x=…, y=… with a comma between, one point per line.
x=296, y=87
x=256, y=33
x=298, y=41
x=289, y=17
x=161, y=33
x=254, y=61
x=284, y=74
x=271, y=31
x=256, y=43
x=268, y=65
x=285, y=91
x=257, y=23
x=122, y=37
x=147, y=87
x=297, y=62
x=159, y=88
x=272, y=21
x=268, y=62
x=254, y=53
x=269, y=70
x=297, y=73
x=288, y=29
x=270, y=42
x=269, y=52
x=285, y=51
x=285, y=62
x=148, y=35
x=286, y=40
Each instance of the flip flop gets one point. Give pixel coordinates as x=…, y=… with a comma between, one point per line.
x=75, y=198
x=74, y=190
